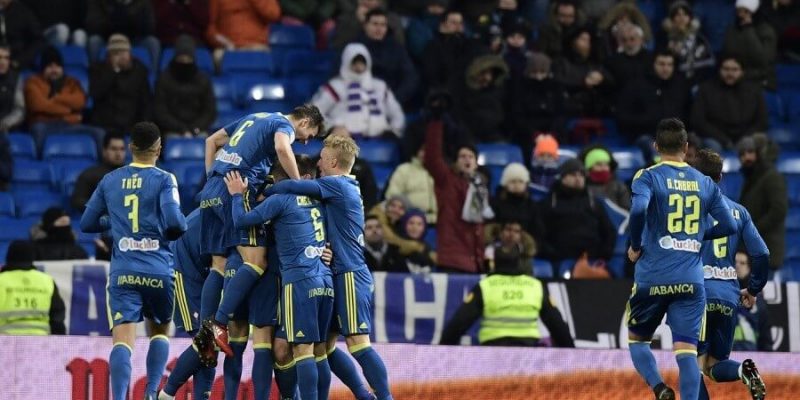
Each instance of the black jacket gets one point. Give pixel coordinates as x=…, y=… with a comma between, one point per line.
x=483, y=109
x=390, y=261
x=182, y=106
x=6, y=162
x=53, y=249
x=535, y=106
x=366, y=180
x=23, y=33
x=727, y=113
x=134, y=19
x=510, y=207
x=121, y=99
x=51, y=12
x=57, y=309
x=643, y=102
x=571, y=71
x=446, y=58
x=86, y=184
x=391, y=62
x=625, y=68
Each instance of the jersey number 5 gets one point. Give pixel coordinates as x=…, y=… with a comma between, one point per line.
x=685, y=214
x=239, y=133
x=319, y=227
x=132, y=201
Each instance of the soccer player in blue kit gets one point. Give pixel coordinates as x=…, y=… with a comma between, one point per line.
x=668, y=223
x=141, y=206
x=256, y=141
x=723, y=293
x=353, y=286
x=307, y=287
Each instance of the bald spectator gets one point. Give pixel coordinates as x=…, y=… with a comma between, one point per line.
x=21, y=32
x=350, y=23
x=186, y=17
x=753, y=42
x=240, y=24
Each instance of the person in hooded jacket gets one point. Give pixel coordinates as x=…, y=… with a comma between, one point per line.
x=683, y=36
x=56, y=240
x=600, y=166
x=413, y=226
x=611, y=24
x=754, y=43
x=479, y=100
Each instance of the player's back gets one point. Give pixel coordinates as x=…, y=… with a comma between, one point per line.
x=251, y=146
x=133, y=197
x=189, y=257
x=680, y=199
x=299, y=237
x=719, y=255
x=344, y=221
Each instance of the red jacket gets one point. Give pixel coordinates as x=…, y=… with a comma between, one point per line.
x=459, y=244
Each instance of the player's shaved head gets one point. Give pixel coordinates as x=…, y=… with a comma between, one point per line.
x=671, y=136
x=709, y=163
x=145, y=138
x=344, y=149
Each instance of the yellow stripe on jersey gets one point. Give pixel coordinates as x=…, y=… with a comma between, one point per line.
x=108, y=308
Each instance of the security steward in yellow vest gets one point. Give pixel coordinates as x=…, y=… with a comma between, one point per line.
x=511, y=304
x=29, y=299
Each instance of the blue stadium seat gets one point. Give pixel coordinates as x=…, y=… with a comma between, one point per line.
x=142, y=54
x=69, y=146
x=793, y=189
x=32, y=175
x=225, y=118
x=74, y=56
x=16, y=228
x=792, y=249
x=792, y=99
x=789, y=163
x=788, y=75
x=187, y=172
x=793, y=220
x=67, y=172
x=498, y=154
x=202, y=57
x=300, y=90
x=258, y=63
x=775, y=108
x=785, y=136
x=225, y=93
x=715, y=17
x=628, y=158
x=430, y=237
x=291, y=36
x=22, y=146
x=81, y=75
x=35, y=203
x=261, y=97
x=185, y=149
x=312, y=148
x=4, y=249
x=731, y=185
x=542, y=268
x=566, y=152
x=379, y=152
x=495, y=175
x=382, y=175
x=6, y=205
x=307, y=64
x=730, y=162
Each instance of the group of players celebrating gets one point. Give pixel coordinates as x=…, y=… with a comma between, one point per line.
x=286, y=248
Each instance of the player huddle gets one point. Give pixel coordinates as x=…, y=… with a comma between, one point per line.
x=263, y=244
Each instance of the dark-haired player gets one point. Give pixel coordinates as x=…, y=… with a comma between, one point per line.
x=668, y=223
x=140, y=204
x=723, y=293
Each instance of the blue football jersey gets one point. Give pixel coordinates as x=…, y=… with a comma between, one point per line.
x=251, y=147
x=189, y=258
x=676, y=200
x=142, y=203
x=345, y=221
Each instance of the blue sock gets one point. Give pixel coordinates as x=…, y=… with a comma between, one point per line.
x=345, y=369
x=232, y=368
x=307, y=378
x=703, y=390
x=119, y=363
x=324, y=373
x=156, y=361
x=645, y=363
x=187, y=365
x=286, y=379
x=210, y=296
x=375, y=371
x=203, y=380
x=236, y=290
x=262, y=371
x=725, y=371
x=689, y=374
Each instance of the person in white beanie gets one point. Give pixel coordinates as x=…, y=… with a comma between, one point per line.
x=513, y=201
x=754, y=43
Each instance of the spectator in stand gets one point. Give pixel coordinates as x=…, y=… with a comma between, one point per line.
x=564, y=16
x=21, y=32
x=683, y=36
x=584, y=78
x=459, y=225
x=358, y=102
x=632, y=60
x=661, y=93
x=752, y=332
x=784, y=17
x=422, y=28
x=350, y=24
x=536, y=104
x=240, y=24
x=449, y=53
x=544, y=165
x=132, y=18
x=186, y=17
x=39, y=307
x=389, y=213
x=515, y=49
x=412, y=181
x=610, y=26
x=600, y=166
x=479, y=99
x=492, y=26
x=184, y=102
x=56, y=240
x=439, y=104
x=317, y=13
x=62, y=20
x=390, y=61
x=513, y=201
x=113, y=157
x=508, y=236
x=6, y=162
x=753, y=42
x=12, y=99
x=474, y=9
x=575, y=222
x=53, y=100
x=378, y=253
x=413, y=226
x=728, y=108
x=119, y=88
x=407, y=8
x=764, y=193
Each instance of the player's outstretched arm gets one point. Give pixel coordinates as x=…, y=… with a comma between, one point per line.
x=283, y=147
x=213, y=144
x=241, y=218
x=95, y=218
x=303, y=187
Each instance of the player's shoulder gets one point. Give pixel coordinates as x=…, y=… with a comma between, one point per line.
x=738, y=209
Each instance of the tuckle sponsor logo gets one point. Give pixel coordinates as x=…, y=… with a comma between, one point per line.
x=229, y=158
x=727, y=273
x=670, y=243
x=130, y=244
x=314, y=252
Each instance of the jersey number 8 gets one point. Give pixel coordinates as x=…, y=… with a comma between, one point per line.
x=685, y=214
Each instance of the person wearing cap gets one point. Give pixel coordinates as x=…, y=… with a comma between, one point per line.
x=133, y=18
x=119, y=87
x=600, y=180
x=544, y=165
x=514, y=202
x=184, y=102
x=754, y=43
x=510, y=304
x=54, y=238
x=29, y=300
x=575, y=222
x=682, y=35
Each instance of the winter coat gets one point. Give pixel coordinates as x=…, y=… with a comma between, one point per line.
x=121, y=99
x=571, y=72
x=52, y=12
x=12, y=100
x=311, y=11
x=644, y=102
x=511, y=207
x=694, y=55
x=483, y=110
x=23, y=34
x=552, y=35
x=535, y=106
x=764, y=196
x=366, y=182
x=390, y=261
x=625, y=68
x=755, y=45
x=6, y=162
x=614, y=190
x=65, y=106
x=459, y=243
x=53, y=249
x=86, y=184
x=243, y=22
x=391, y=234
x=184, y=106
x=363, y=104
x=391, y=62
x=412, y=181
x=446, y=58
x=607, y=25
x=185, y=17
x=785, y=20
x=348, y=27
x=420, y=31
x=727, y=113
x=134, y=19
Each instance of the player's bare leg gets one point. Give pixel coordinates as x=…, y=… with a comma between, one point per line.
x=645, y=365
x=157, y=355
x=123, y=336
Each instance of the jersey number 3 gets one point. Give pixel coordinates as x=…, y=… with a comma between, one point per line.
x=684, y=215
x=132, y=201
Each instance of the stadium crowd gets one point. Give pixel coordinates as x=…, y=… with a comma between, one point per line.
x=569, y=92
